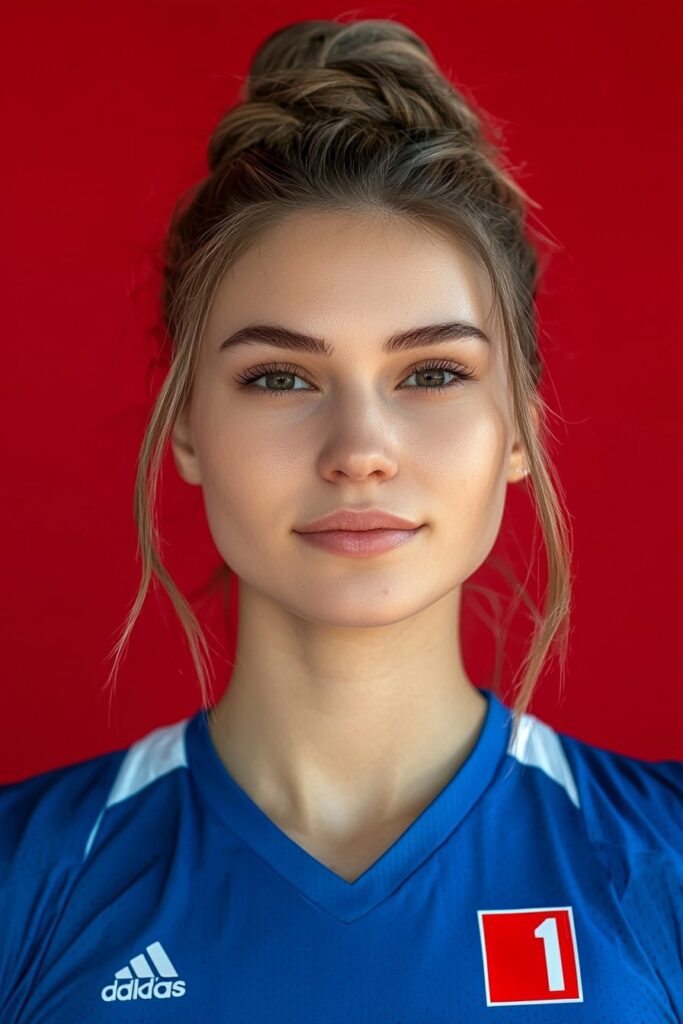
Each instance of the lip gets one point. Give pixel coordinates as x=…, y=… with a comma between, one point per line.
x=355, y=520
x=358, y=543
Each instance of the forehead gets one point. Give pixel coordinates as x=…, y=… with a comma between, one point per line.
x=332, y=271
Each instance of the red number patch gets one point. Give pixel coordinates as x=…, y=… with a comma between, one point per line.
x=530, y=956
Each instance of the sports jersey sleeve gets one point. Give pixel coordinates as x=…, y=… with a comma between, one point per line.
x=633, y=812
x=45, y=821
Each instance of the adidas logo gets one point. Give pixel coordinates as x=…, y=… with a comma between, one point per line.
x=145, y=978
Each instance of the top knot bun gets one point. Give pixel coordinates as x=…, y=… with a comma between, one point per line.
x=377, y=73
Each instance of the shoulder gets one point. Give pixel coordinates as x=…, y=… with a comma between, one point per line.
x=45, y=819
x=631, y=812
x=624, y=801
x=49, y=825
x=52, y=818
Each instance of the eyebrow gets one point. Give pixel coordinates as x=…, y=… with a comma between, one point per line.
x=283, y=337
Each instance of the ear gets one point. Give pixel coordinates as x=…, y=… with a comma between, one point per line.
x=518, y=459
x=184, y=455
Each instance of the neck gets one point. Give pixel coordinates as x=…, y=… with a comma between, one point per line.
x=336, y=730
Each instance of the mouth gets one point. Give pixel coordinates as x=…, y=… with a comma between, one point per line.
x=359, y=543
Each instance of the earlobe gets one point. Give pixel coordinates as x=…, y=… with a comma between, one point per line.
x=519, y=463
x=519, y=468
x=522, y=472
x=184, y=455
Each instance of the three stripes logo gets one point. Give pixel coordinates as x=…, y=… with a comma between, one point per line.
x=148, y=977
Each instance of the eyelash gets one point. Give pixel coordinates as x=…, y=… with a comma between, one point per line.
x=246, y=379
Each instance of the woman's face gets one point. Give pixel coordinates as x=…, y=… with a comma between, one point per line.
x=357, y=428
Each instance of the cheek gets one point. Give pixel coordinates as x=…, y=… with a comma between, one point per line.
x=465, y=451
x=464, y=473
x=249, y=474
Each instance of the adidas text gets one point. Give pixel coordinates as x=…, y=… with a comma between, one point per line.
x=149, y=988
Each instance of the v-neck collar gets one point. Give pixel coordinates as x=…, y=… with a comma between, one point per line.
x=344, y=900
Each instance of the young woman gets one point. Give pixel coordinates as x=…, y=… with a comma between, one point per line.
x=355, y=832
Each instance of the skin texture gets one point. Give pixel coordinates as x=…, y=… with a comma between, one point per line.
x=349, y=707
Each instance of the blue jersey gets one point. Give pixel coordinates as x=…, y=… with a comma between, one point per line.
x=544, y=883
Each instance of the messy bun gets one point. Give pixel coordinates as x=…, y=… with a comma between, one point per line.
x=357, y=116
x=366, y=75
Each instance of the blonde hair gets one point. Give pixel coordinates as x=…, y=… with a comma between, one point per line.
x=354, y=116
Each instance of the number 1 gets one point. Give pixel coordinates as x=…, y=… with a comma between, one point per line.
x=547, y=930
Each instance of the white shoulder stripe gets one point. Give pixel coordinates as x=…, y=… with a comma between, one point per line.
x=154, y=755
x=537, y=744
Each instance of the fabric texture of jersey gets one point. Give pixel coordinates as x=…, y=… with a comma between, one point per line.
x=544, y=883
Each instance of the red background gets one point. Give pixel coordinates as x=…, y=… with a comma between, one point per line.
x=107, y=112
